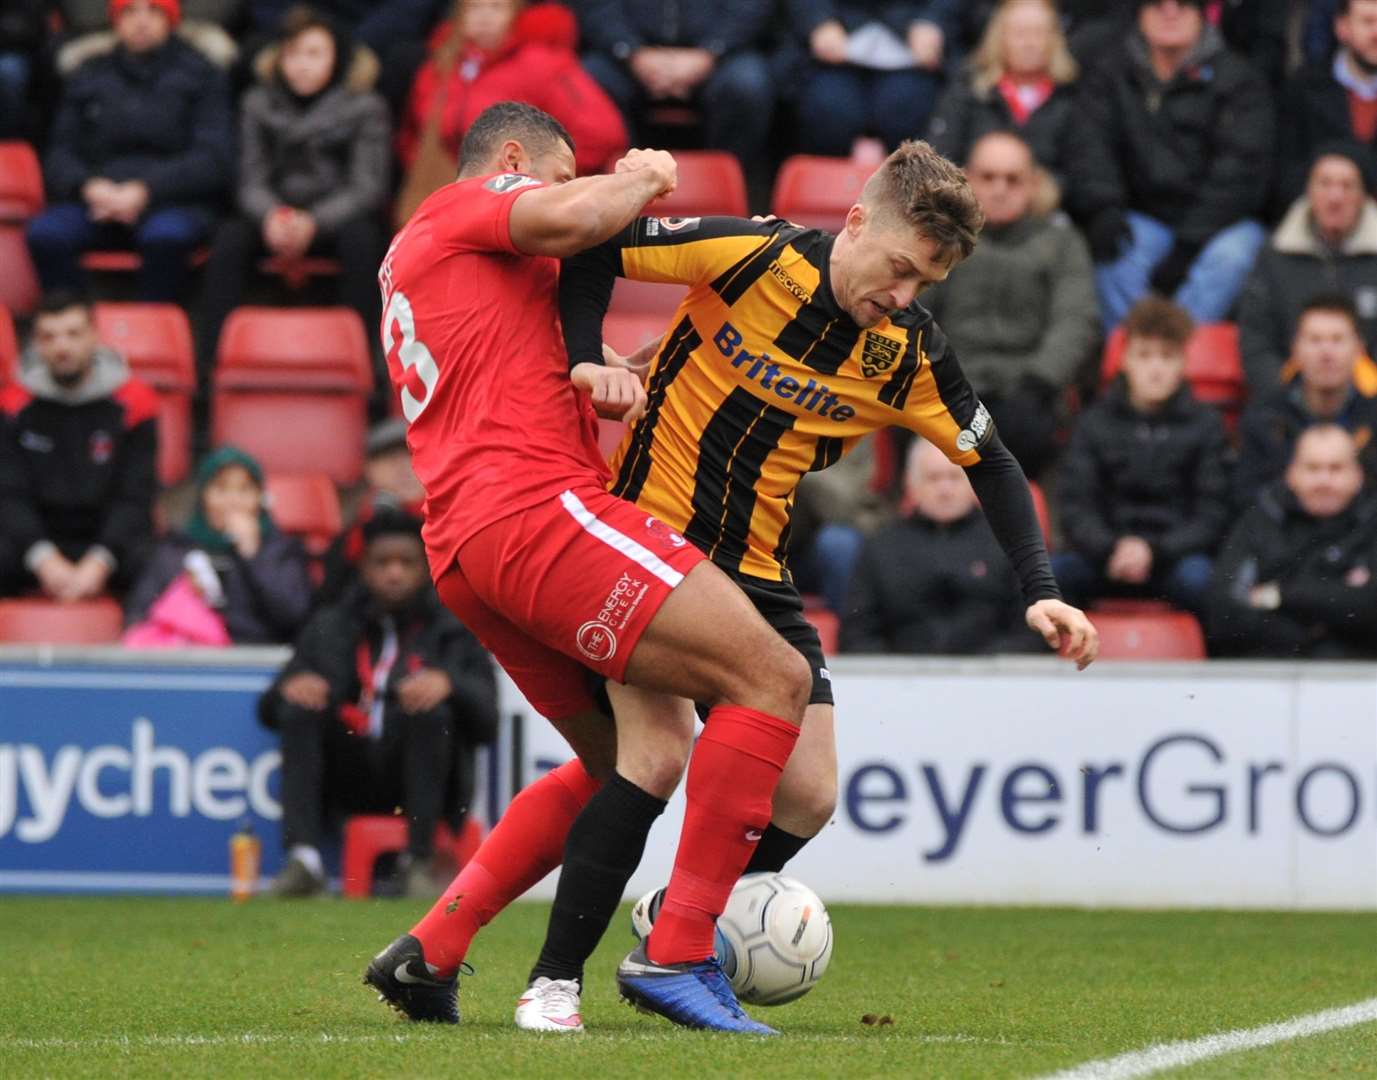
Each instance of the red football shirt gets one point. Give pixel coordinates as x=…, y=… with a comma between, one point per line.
x=471, y=331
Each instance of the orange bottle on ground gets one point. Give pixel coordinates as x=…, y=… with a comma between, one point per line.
x=246, y=854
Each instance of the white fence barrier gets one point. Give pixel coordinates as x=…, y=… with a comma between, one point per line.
x=1008, y=782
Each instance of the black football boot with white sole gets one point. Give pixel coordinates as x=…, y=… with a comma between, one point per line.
x=408, y=984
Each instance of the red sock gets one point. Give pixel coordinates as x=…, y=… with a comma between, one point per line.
x=731, y=785
x=526, y=844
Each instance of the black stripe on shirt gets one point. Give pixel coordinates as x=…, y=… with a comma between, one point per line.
x=682, y=340
x=895, y=392
x=741, y=435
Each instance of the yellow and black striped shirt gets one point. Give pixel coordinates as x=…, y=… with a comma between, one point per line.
x=761, y=378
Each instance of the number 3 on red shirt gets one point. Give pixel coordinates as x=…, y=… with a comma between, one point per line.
x=419, y=372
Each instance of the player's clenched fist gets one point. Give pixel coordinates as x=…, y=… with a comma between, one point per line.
x=1065, y=629
x=660, y=162
x=617, y=393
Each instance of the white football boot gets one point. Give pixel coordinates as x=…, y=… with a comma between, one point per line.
x=550, y=1005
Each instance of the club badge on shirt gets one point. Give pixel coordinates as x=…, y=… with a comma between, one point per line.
x=102, y=447
x=878, y=353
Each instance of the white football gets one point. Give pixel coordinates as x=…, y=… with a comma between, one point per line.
x=774, y=940
x=779, y=936
x=644, y=912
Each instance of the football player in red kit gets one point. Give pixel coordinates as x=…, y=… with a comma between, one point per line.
x=556, y=576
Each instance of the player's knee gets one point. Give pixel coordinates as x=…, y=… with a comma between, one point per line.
x=817, y=804
x=796, y=678
x=660, y=775
x=766, y=673
x=656, y=764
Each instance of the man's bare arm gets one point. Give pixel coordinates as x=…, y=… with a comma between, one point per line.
x=567, y=218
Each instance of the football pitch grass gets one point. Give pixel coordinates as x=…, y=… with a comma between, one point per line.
x=203, y=988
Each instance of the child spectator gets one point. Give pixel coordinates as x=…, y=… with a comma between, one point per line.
x=1326, y=352
x=1021, y=78
x=1143, y=486
x=935, y=581
x=140, y=154
x=1327, y=243
x=313, y=171
x=1296, y=577
x=251, y=575
x=1175, y=145
x=78, y=445
x=498, y=50
x=381, y=705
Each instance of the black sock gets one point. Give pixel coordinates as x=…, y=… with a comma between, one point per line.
x=776, y=848
x=602, y=851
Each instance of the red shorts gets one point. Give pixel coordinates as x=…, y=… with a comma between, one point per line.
x=564, y=587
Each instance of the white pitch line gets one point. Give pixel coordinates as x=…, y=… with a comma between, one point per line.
x=1156, y=1058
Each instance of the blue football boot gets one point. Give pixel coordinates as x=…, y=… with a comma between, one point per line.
x=690, y=995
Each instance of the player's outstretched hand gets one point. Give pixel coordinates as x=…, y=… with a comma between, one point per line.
x=638, y=362
x=661, y=162
x=617, y=392
x=1065, y=629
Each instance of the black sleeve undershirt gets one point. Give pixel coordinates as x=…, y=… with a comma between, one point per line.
x=585, y=290
x=1000, y=485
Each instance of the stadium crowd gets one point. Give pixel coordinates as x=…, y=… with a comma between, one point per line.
x=1170, y=314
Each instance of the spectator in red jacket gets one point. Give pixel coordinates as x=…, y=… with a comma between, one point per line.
x=78, y=441
x=498, y=50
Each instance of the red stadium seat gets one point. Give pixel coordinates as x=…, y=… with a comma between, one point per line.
x=1169, y=635
x=827, y=625
x=818, y=191
x=297, y=272
x=9, y=348
x=21, y=182
x=710, y=182
x=156, y=340
x=305, y=505
x=53, y=622
x=628, y=332
x=121, y=261
x=1130, y=605
x=19, y=290
x=1214, y=365
x=291, y=388
x=367, y=836
x=21, y=197
x=646, y=298
x=1040, y=505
